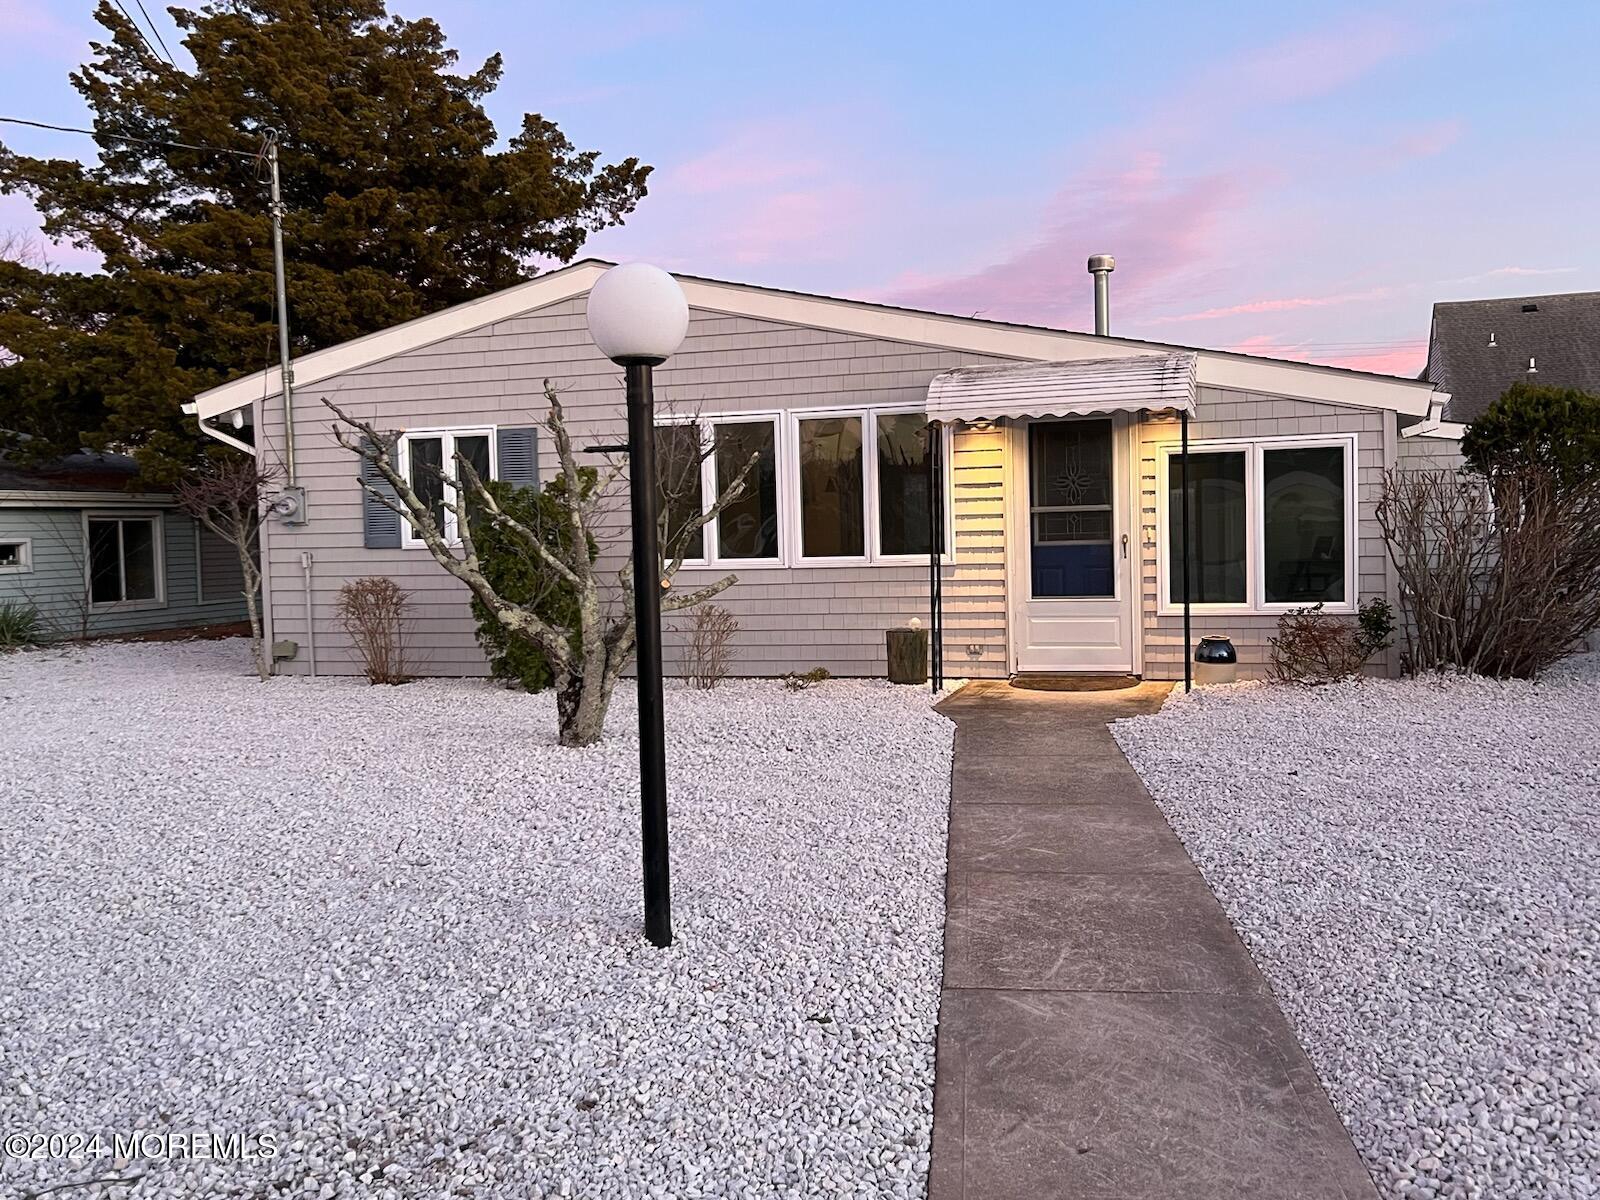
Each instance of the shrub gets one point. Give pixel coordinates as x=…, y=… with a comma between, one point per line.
x=521, y=577
x=1315, y=647
x=1532, y=425
x=373, y=611
x=799, y=683
x=20, y=625
x=710, y=646
x=1499, y=575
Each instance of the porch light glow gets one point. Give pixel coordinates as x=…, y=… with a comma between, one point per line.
x=637, y=313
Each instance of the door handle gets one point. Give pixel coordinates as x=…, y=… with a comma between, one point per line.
x=1124, y=545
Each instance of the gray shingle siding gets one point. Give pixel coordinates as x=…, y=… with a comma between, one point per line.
x=833, y=616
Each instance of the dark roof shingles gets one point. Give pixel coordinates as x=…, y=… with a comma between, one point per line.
x=1561, y=335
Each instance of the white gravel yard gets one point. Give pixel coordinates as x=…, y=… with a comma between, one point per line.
x=1416, y=867
x=399, y=930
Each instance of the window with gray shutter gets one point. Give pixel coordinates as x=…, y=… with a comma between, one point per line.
x=380, y=525
x=518, y=450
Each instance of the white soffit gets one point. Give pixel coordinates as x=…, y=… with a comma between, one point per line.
x=1065, y=389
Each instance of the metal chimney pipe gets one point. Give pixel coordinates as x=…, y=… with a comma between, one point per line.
x=1101, y=266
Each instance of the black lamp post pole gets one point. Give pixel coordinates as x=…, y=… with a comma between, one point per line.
x=647, y=624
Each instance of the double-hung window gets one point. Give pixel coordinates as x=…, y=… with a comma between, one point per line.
x=428, y=463
x=1271, y=525
x=124, y=561
x=828, y=487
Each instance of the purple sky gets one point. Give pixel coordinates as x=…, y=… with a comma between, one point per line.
x=1301, y=182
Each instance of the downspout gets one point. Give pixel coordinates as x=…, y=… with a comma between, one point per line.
x=311, y=624
x=1183, y=487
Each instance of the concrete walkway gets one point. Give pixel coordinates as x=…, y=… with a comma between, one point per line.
x=1102, y=1030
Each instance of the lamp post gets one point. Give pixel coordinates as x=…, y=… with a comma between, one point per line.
x=638, y=316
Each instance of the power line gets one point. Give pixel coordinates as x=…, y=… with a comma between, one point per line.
x=139, y=31
x=118, y=137
x=155, y=31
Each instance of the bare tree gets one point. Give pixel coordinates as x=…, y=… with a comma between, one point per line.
x=588, y=655
x=1497, y=576
x=225, y=496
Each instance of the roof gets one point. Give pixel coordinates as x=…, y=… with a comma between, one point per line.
x=975, y=335
x=81, y=472
x=1479, y=348
x=1060, y=389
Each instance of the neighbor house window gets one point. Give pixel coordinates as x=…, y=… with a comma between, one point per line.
x=428, y=462
x=16, y=556
x=747, y=528
x=904, y=489
x=124, y=561
x=1270, y=524
x=833, y=514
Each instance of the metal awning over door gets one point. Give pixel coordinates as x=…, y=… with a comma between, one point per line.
x=1134, y=383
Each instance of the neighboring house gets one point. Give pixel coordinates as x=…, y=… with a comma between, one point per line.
x=1060, y=452
x=1479, y=348
x=96, y=558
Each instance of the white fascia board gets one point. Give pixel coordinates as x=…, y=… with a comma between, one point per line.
x=363, y=351
x=1276, y=377
x=42, y=499
x=1301, y=381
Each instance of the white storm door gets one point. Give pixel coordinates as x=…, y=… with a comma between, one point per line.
x=1074, y=611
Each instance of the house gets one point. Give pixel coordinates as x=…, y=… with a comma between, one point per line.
x=1059, y=541
x=96, y=556
x=1479, y=348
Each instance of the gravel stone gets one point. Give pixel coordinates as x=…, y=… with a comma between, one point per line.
x=400, y=929
x=1414, y=866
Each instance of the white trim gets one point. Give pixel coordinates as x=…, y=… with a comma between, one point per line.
x=24, y=563
x=1304, y=381
x=796, y=505
x=1449, y=431
x=447, y=436
x=159, y=553
x=70, y=499
x=1256, y=603
x=709, y=490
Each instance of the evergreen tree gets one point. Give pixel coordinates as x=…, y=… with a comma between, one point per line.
x=397, y=204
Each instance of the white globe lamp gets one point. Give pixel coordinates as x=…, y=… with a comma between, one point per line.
x=637, y=314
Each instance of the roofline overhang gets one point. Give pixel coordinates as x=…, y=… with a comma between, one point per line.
x=67, y=498
x=1215, y=368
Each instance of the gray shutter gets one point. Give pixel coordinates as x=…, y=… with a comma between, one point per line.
x=518, y=452
x=380, y=525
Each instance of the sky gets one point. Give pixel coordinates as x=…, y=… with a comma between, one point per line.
x=1299, y=181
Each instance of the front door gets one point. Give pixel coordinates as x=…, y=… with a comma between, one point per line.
x=1074, y=609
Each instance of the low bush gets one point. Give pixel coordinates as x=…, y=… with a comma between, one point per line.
x=373, y=611
x=710, y=648
x=1315, y=647
x=796, y=682
x=20, y=625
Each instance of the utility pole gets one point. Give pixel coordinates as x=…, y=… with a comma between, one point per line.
x=276, y=208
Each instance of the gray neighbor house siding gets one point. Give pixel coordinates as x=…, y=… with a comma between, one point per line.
x=55, y=584
x=791, y=617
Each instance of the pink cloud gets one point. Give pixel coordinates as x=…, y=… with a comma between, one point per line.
x=1280, y=304
x=1311, y=64
x=33, y=25
x=1163, y=223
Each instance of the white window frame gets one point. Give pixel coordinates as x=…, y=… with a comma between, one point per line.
x=1255, y=556
x=786, y=440
x=796, y=507
x=158, y=543
x=447, y=436
x=24, y=563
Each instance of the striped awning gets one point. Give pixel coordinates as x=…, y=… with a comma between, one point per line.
x=1063, y=389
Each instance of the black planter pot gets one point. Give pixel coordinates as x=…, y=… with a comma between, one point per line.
x=1215, y=660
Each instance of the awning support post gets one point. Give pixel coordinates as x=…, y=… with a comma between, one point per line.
x=935, y=557
x=1183, y=487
